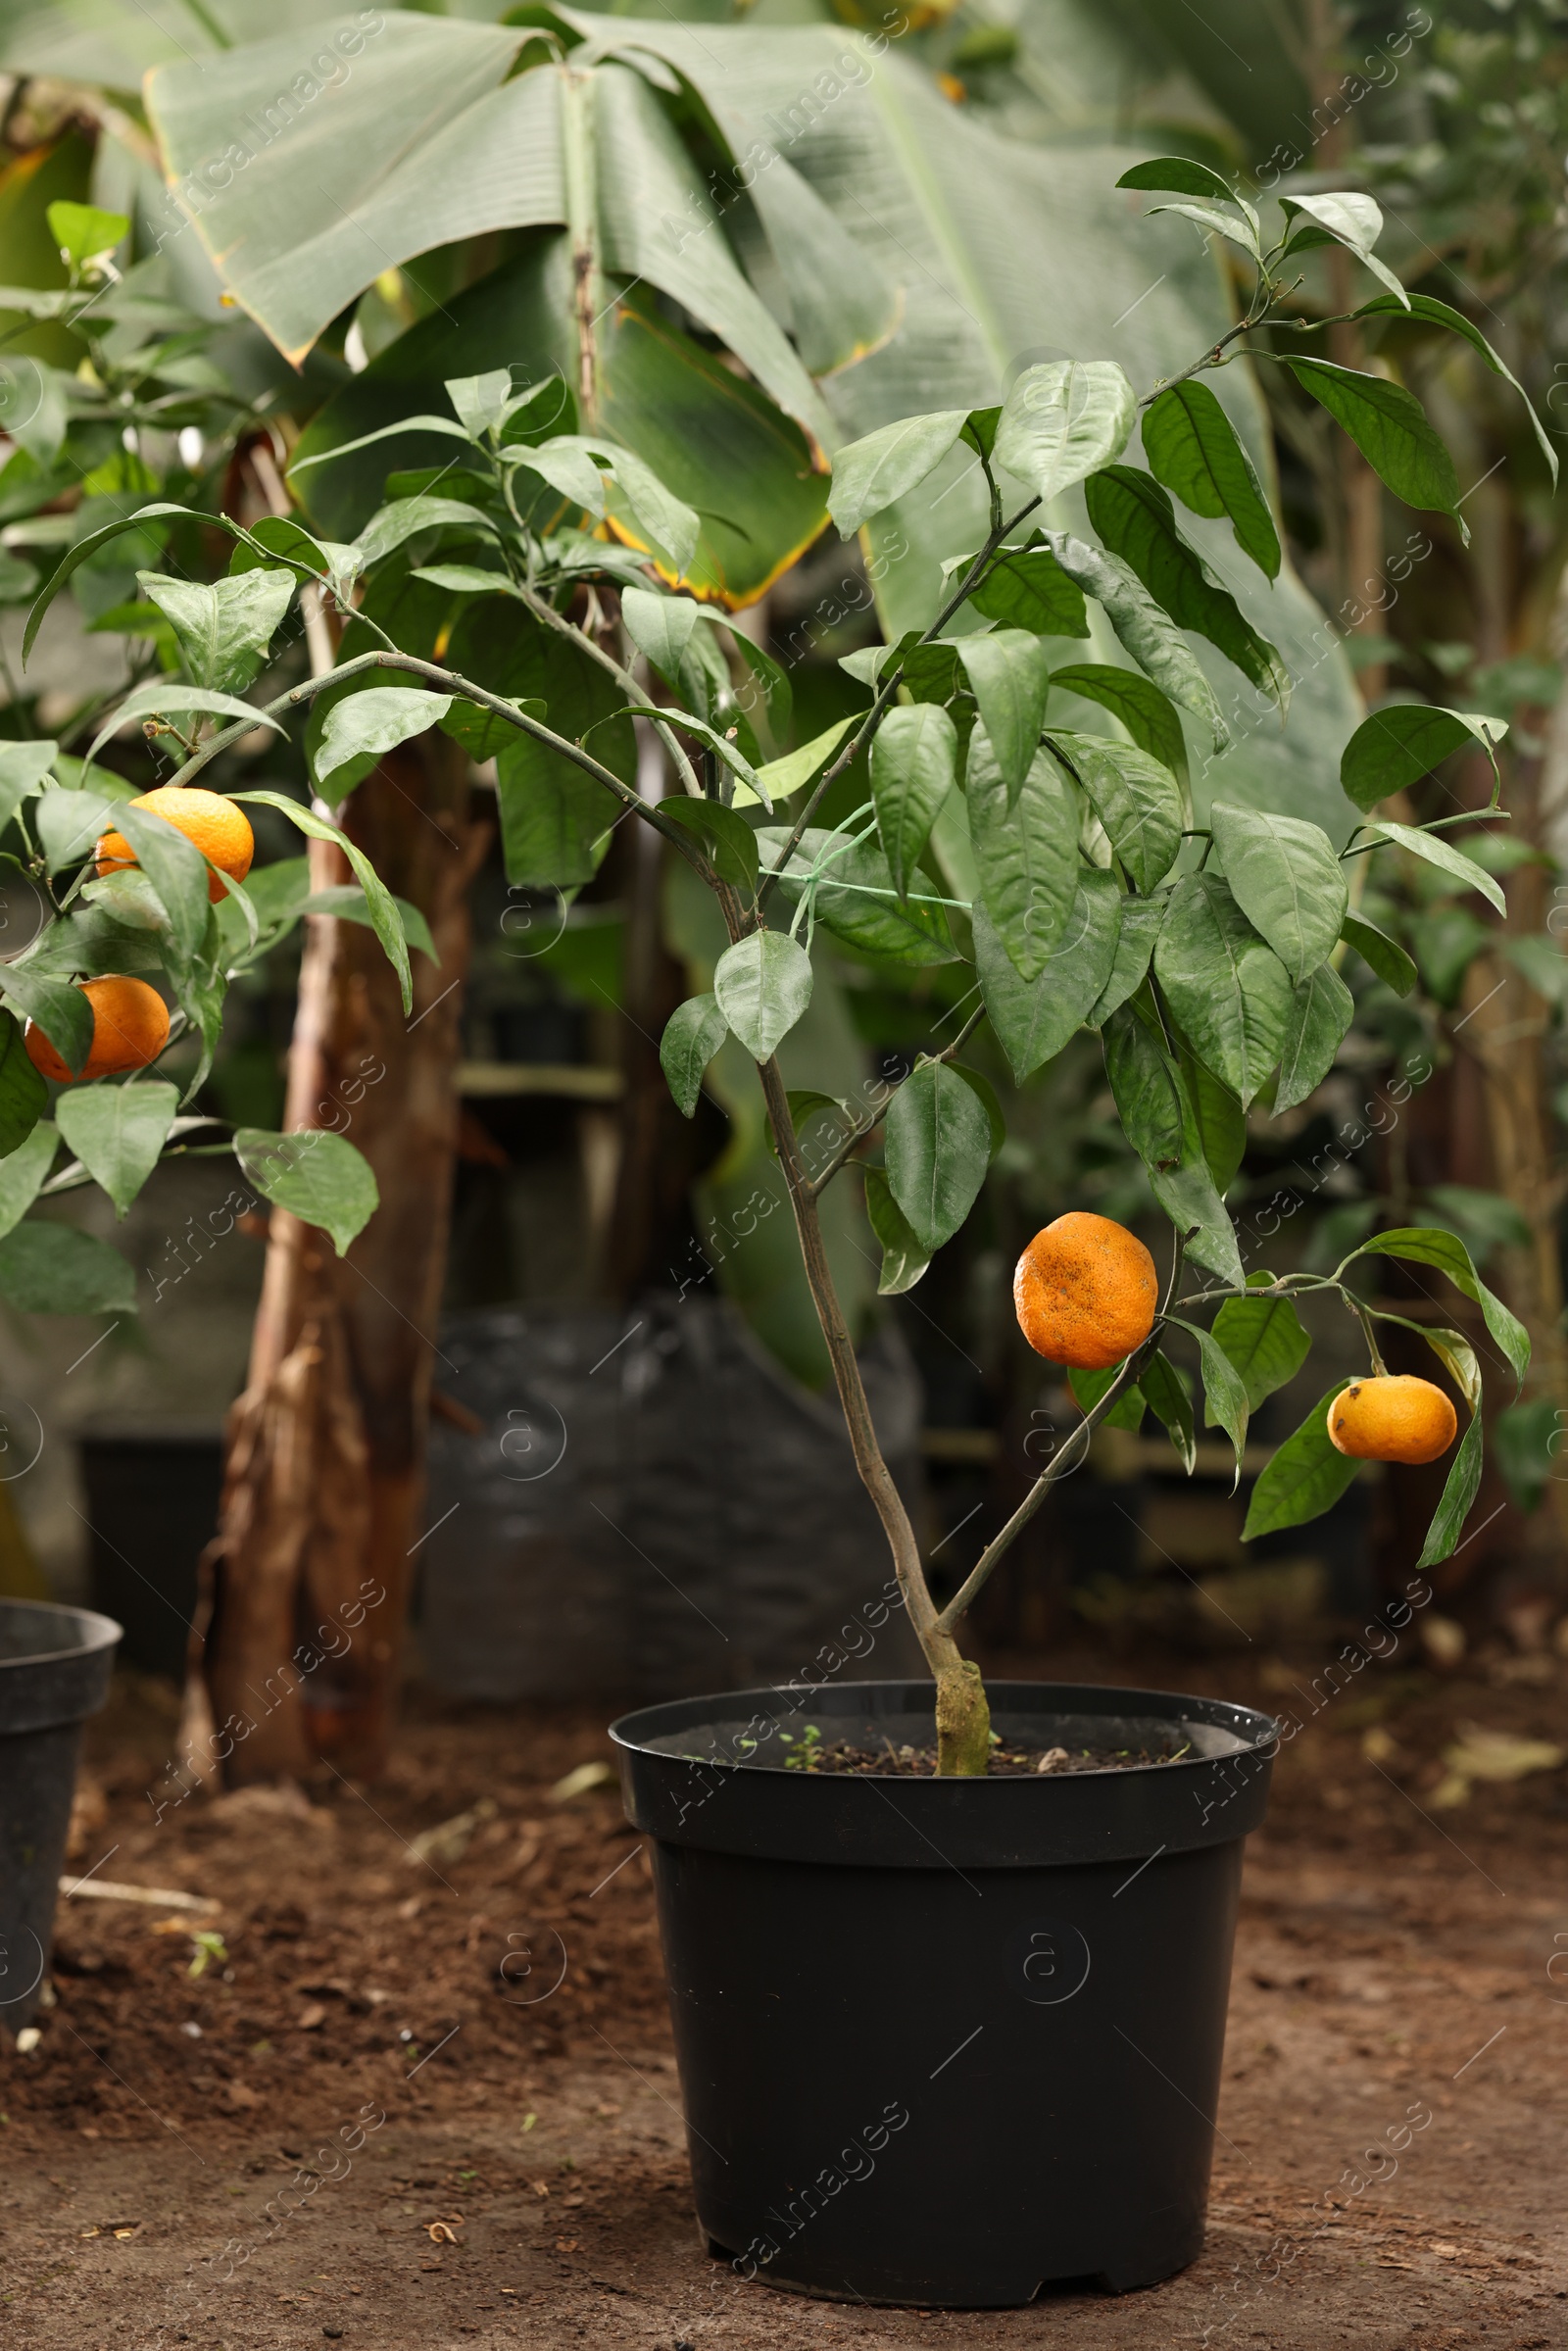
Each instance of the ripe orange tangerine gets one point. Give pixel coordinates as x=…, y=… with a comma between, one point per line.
x=1392, y=1417
x=220, y=830
x=1085, y=1291
x=129, y=1029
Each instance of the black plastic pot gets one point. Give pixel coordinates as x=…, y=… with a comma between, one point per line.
x=945, y=2041
x=54, y=1672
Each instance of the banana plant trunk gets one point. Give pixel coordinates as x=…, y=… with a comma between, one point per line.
x=305, y=1584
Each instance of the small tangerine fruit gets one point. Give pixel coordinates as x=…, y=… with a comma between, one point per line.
x=1085, y=1291
x=129, y=1029
x=218, y=829
x=1392, y=1417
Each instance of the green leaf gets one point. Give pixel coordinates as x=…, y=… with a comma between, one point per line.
x=1178, y=175
x=1194, y=450
x=360, y=728
x=24, y=770
x=1350, y=220
x=1149, y=714
x=1141, y=918
x=1145, y=1088
x=1144, y=627
x=986, y=1094
x=1134, y=518
x=1306, y=1477
x=379, y=897
x=1263, y=1338
x=1457, y=1357
x=1435, y=851
x=1428, y=1245
x=61, y=1010
x=1522, y=1437
x=163, y=698
x=763, y=985
x=1286, y=880
x=660, y=627
x=177, y=871
x=1138, y=801
x=555, y=820
x=48, y=1268
x=1216, y=1121
x=1459, y=1494
x=67, y=824
x=1389, y=428
x=1028, y=588
x=782, y=778
x=1440, y=314
x=1404, y=741
x=1225, y=1405
x=23, y=1093
x=226, y=630
x=482, y=403
x=117, y=1133
x=913, y=758
x=937, y=1150
x=1189, y=1198
x=693, y=1035
x=1127, y=1412
x=393, y=526
x=1386, y=955
x=346, y=902
x=1027, y=855
x=870, y=474
x=22, y=1171
x=1165, y=1393
x=903, y=1259
x=319, y=1177
x=856, y=899
x=1062, y=421
x=82, y=233
x=1229, y=992
x=1033, y=1019
x=1216, y=224
x=728, y=841
x=1322, y=1010
x=483, y=732
x=78, y=553
x=1009, y=679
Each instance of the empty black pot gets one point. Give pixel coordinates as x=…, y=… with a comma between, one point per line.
x=54, y=1672
x=942, y=2041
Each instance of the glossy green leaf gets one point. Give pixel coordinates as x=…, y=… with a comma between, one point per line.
x=49, y=1268
x=1306, y=1477
x=1133, y=516
x=363, y=727
x=1009, y=679
x=1286, y=880
x=159, y=510
x=61, y=1010
x=1144, y=1088
x=1194, y=450
x=1458, y=1496
x=482, y=403
x=782, y=778
x=1027, y=855
x=177, y=871
x=67, y=824
x=1406, y=740
x=117, y=1132
x=1139, y=928
x=392, y=526
x=1216, y=1121
x=1390, y=427
x=1225, y=1403
x=346, y=902
x=856, y=899
x=1033, y=1019
x=384, y=919
x=483, y=733
x=1263, y=1338
x=1217, y=223
x=83, y=232
x=1147, y=713
x=1441, y=313
x=1229, y=992
x=1437, y=851
x=660, y=627
x=1428, y=1245
x=1165, y=1393
x=1178, y=175
x=23, y=1093
x=763, y=985
x=693, y=1035
x=319, y=1177
x=23, y=770
x=1457, y=1357
x=1138, y=801
x=1190, y=1199
x=223, y=630
x=937, y=1150
x=1127, y=1412
x=24, y=1169
x=1062, y=421
x=728, y=841
x=868, y=475
x=1322, y=1010
x=166, y=698
x=903, y=1257
x=913, y=758
x=555, y=820
x=1351, y=219
x=1144, y=627
x=1386, y=955
x=1029, y=589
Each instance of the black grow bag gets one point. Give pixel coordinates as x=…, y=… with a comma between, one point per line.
x=945, y=2041
x=54, y=1672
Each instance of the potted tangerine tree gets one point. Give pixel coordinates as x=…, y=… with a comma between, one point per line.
x=903, y=1919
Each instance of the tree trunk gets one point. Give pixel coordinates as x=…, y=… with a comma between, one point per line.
x=307, y=1580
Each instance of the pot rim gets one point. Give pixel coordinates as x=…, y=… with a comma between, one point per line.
x=95, y=1633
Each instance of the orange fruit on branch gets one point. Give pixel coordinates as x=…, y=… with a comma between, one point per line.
x=1085, y=1291
x=129, y=1029
x=218, y=828
x=1392, y=1417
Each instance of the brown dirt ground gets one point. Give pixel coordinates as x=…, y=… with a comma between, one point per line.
x=528, y=2183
